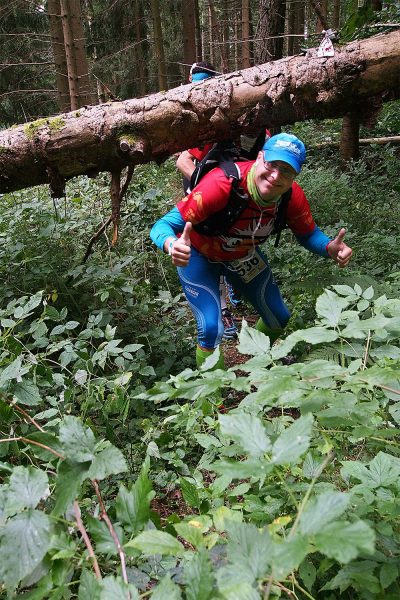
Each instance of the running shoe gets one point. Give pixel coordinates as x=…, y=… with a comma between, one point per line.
x=233, y=295
x=230, y=329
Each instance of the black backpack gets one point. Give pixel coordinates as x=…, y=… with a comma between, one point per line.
x=224, y=155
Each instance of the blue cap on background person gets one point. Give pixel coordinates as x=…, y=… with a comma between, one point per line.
x=287, y=148
x=202, y=70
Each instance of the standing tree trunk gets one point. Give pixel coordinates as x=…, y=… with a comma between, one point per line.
x=270, y=26
x=336, y=15
x=349, y=139
x=70, y=56
x=60, y=59
x=78, y=77
x=159, y=46
x=291, y=27
x=199, y=45
x=299, y=25
x=140, y=37
x=226, y=37
x=82, y=66
x=321, y=10
x=238, y=34
x=189, y=35
x=216, y=38
x=246, y=34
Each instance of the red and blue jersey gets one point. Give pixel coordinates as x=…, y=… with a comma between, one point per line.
x=254, y=224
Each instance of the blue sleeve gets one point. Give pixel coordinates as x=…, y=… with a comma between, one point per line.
x=315, y=242
x=169, y=225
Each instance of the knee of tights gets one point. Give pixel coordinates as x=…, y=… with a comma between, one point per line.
x=210, y=336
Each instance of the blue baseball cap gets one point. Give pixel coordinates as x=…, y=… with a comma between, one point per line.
x=201, y=76
x=287, y=148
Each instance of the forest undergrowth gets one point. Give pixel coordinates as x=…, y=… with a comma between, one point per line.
x=120, y=475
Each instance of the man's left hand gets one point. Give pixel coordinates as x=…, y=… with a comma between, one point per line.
x=339, y=251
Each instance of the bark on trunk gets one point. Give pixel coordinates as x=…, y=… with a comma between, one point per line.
x=140, y=40
x=82, y=66
x=199, y=45
x=60, y=60
x=270, y=29
x=349, y=146
x=246, y=34
x=70, y=56
x=189, y=35
x=159, y=45
x=111, y=136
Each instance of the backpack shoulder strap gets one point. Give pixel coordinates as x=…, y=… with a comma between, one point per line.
x=280, y=219
x=220, y=222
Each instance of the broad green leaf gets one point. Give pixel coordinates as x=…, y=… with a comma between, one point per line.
x=242, y=469
x=78, y=442
x=189, y=493
x=23, y=311
x=166, y=590
x=313, y=335
x=250, y=548
x=384, y=469
x=344, y=541
x=223, y=516
x=312, y=465
x=318, y=335
x=293, y=442
x=277, y=385
x=359, y=573
x=253, y=342
x=206, y=440
x=14, y=370
x=190, y=533
x=24, y=540
x=89, y=586
x=327, y=507
x=211, y=360
x=156, y=542
x=47, y=439
x=81, y=376
x=308, y=573
x=109, y=461
x=248, y=431
x=199, y=388
x=330, y=306
x=321, y=368
x=70, y=476
x=288, y=555
x=388, y=574
x=234, y=584
x=114, y=588
x=359, y=329
x=133, y=506
x=27, y=393
x=198, y=577
x=102, y=537
x=345, y=290
x=27, y=486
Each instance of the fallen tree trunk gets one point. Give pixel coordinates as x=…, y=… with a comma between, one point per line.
x=391, y=139
x=111, y=136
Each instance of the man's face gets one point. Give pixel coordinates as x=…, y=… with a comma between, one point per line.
x=273, y=178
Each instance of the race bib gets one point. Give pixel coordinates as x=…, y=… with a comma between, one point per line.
x=248, y=269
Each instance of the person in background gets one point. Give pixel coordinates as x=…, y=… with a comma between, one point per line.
x=202, y=259
x=186, y=164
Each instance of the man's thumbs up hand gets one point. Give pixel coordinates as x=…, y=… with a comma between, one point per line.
x=185, y=237
x=339, y=251
x=179, y=249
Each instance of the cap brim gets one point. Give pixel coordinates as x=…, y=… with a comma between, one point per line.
x=270, y=155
